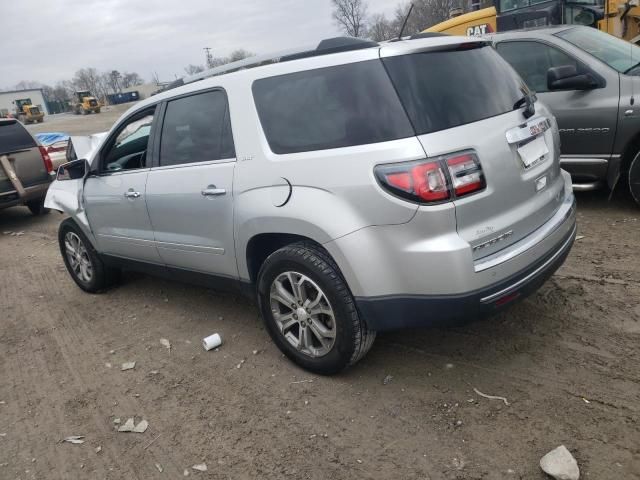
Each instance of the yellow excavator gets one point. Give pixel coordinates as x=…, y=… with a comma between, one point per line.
x=620, y=19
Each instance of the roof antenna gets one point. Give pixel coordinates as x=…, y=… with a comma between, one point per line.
x=406, y=19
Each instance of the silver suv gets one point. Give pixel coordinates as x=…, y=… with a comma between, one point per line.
x=351, y=188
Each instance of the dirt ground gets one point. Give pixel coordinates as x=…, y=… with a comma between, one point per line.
x=566, y=360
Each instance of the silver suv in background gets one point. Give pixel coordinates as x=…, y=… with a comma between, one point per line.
x=351, y=188
x=591, y=81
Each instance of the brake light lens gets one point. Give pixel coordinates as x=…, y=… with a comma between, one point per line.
x=433, y=181
x=466, y=174
x=46, y=159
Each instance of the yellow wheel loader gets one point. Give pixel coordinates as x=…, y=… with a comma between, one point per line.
x=620, y=19
x=84, y=103
x=28, y=113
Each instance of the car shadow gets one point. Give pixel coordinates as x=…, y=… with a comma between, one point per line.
x=15, y=219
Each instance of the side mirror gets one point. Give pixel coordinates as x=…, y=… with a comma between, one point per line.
x=72, y=170
x=567, y=77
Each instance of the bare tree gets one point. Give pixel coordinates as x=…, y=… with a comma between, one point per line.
x=239, y=54
x=131, y=79
x=193, y=69
x=350, y=16
x=381, y=28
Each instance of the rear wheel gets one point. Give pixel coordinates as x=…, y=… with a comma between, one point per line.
x=97, y=110
x=37, y=207
x=82, y=261
x=309, y=310
x=634, y=179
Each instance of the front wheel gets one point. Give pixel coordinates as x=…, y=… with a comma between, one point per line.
x=634, y=179
x=83, y=263
x=309, y=310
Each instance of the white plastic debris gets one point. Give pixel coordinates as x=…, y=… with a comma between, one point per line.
x=128, y=366
x=200, y=467
x=141, y=427
x=75, y=439
x=128, y=426
x=165, y=343
x=159, y=467
x=212, y=341
x=98, y=449
x=560, y=464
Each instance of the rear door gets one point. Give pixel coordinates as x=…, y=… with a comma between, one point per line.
x=190, y=190
x=24, y=157
x=115, y=197
x=468, y=99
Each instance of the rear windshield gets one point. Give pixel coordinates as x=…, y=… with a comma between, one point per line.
x=332, y=107
x=445, y=89
x=14, y=137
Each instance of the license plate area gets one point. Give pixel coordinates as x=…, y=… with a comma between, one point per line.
x=533, y=153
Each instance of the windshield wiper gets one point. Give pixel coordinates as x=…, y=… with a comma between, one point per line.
x=527, y=100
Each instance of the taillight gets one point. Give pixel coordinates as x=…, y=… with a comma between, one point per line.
x=46, y=159
x=433, y=181
x=466, y=174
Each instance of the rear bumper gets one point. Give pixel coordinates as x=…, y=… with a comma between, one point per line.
x=13, y=198
x=411, y=311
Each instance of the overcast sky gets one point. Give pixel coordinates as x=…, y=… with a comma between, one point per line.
x=48, y=40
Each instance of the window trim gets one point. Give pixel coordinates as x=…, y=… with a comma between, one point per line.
x=155, y=165
x=99, y=172
x=602, y=82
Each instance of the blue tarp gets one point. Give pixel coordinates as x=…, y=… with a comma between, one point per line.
x=47, y=139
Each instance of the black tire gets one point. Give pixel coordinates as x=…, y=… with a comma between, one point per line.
x=352, y=337
x=102, y=276
x=634, y=179
x=36, y=207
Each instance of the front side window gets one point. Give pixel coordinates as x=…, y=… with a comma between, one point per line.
x=196, y=129
x=532, y=60
x=618, y=54
x=446, y=89
x=128, y=151
x=332, y=107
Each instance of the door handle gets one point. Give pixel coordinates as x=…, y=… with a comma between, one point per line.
x=628, y=113
x=131, y=194
x=212, y=191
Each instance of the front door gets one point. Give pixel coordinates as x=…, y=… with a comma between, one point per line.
x=190, y=190
x=115, y=197
x=587, y=133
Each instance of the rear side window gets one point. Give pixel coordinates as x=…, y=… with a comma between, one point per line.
x=446, y=89
x=196, y=129
x=332, y=107
x=14, y=137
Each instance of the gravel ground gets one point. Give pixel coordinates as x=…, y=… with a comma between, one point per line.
x=566, y=360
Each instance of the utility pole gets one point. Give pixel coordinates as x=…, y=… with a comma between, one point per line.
x=209, y=57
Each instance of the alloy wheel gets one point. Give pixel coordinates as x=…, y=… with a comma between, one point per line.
x=303, y=314
x=78, y=257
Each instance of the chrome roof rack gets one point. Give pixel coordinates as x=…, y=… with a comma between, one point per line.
x=325, y=47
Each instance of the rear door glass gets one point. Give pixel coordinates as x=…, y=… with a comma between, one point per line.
x=332, y=107
x=14, y=137
x=196, y=129
x=445, y=89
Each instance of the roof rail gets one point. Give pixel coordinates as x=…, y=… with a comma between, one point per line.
x=325, y=47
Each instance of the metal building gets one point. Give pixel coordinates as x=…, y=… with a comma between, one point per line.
x=7, y=100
